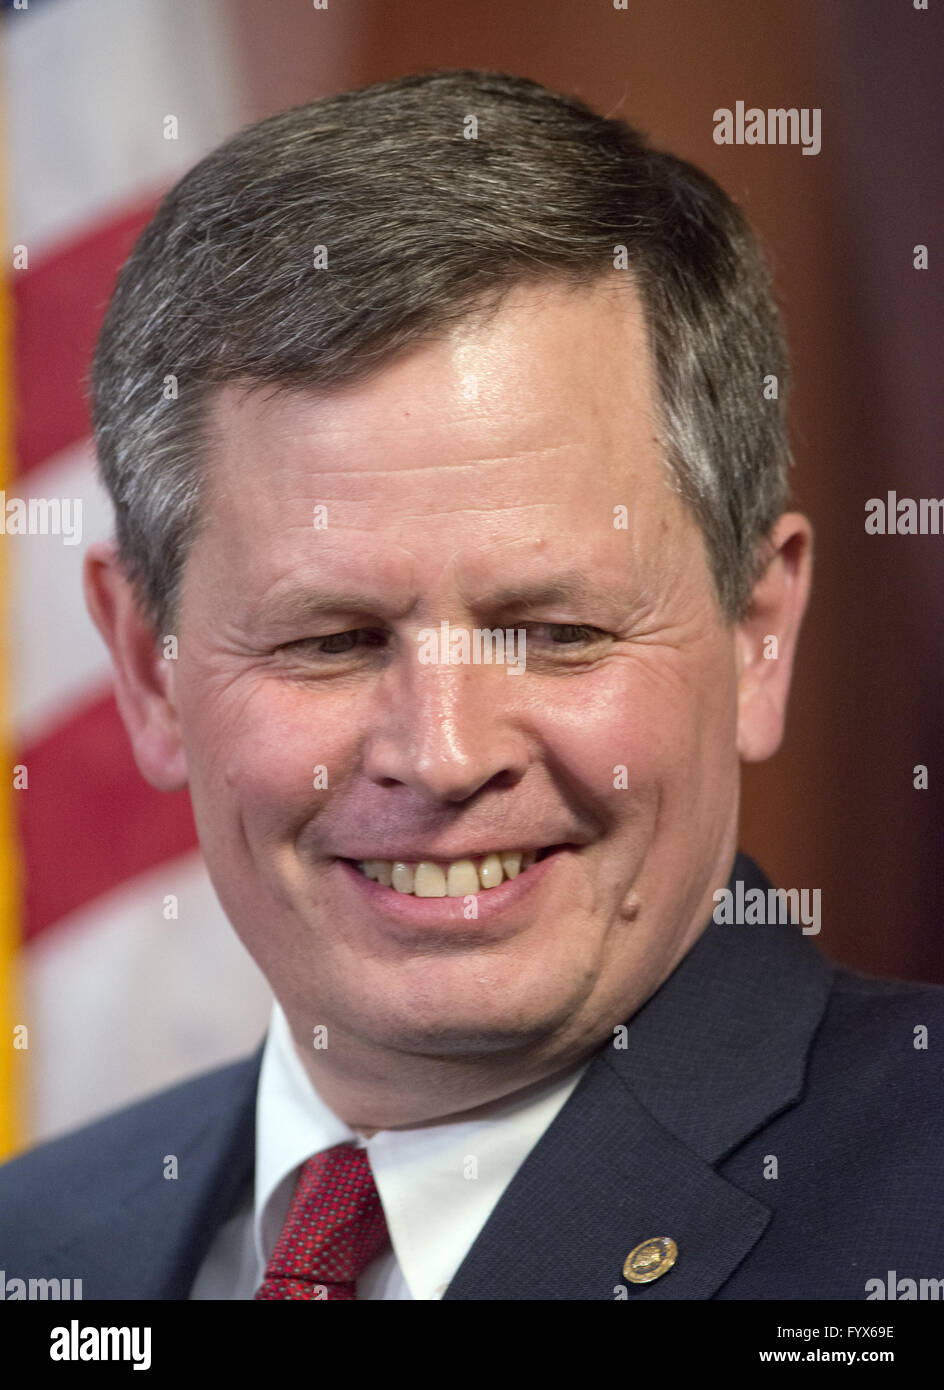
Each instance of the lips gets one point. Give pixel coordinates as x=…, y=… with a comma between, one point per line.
x=487, y=915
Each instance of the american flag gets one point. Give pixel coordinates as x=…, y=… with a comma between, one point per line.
x=118, y=971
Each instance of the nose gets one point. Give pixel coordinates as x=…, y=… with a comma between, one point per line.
x=445, y=730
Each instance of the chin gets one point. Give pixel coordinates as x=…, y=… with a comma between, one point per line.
x=463, y=1033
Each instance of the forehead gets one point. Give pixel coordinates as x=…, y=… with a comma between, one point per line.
x=508, y=441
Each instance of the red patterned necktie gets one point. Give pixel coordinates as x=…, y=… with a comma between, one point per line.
x=334, y=1228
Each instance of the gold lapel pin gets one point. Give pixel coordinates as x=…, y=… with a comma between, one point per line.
x=650, y=1260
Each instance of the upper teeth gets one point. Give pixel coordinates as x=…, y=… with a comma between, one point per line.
x=453, y=880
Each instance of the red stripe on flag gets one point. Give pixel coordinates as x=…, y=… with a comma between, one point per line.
x=58, y=307
x=88, y=819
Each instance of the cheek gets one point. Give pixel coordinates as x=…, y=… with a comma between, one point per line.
x=647, y=728
x=265, y=751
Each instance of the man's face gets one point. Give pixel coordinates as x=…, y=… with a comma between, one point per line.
x=497, y=463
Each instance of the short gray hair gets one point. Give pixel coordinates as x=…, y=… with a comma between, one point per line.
x=423, y=225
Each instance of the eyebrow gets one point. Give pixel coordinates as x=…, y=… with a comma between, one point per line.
x=573, y=585
x=301, y=605
x=297, y=605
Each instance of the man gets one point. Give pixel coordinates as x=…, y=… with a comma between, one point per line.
x=446, y=357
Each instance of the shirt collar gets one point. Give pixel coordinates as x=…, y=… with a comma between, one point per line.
x=438, y=1183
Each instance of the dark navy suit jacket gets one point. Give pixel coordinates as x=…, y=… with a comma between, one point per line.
x=755, y=1049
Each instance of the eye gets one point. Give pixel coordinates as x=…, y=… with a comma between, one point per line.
x=569, y=634
x=555, y=636
x=335, y=643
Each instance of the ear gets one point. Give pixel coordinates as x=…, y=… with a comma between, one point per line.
x=766, y=638
x=144, y=677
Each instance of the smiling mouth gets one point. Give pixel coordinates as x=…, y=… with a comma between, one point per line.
x=454, y=878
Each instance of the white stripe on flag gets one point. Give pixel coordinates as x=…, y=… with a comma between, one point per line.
x=88, y=85
x=122, y=1002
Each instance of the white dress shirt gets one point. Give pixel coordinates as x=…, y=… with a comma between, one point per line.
x=438, y=1184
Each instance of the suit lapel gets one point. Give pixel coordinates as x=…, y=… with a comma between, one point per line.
x=590, y=1191
x=160, y=1228
x=709, y=1059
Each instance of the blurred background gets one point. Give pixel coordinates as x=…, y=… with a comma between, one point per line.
x=121, y=996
